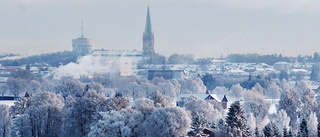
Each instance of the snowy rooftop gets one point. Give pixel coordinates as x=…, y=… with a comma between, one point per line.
x=201, y=96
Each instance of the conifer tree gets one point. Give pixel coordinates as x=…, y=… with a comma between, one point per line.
x=237, y=120
x=285, y=132
x=270, y=130
x=303, y=129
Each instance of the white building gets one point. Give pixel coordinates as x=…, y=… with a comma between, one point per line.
x=281, y=66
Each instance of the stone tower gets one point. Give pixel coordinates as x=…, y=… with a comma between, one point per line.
x=148, y=39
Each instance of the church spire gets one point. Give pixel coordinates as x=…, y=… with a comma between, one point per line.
x=148, y=39
x=148, y=29
x=82, y=29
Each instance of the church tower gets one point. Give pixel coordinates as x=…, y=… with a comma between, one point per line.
x=148, y=39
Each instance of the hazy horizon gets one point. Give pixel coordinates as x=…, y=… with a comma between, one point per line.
x=205, y=28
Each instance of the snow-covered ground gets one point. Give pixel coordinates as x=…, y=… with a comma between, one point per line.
x=8, y=102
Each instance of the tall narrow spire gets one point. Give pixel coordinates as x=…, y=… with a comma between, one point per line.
x=148, y=29
x=82, y=29
x=148, y=39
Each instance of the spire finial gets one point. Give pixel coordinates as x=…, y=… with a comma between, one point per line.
x=82, y=29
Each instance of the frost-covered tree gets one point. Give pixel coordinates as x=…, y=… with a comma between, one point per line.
x=34, y=87
x=252, y=123
x=16, y=86
x=124, y=123
x=282, y=120
x=236, y=121
x=203, y=113
x=289, y=101
x=303, y=132
x=169, y=121
x=236, y=90
x=220, y=90
x=312, y=125
x=144, y=105
x=273, y=91
x=116, y=103
x=42, y=115
x=83, y=113
x=161, y=100
x=46, y=114
x=258, y=87
x=308, y=98
x=21, y=126
x=193, y=85
x=5, y=121
x=169, y=89
x=271, y=130
x=70, y=87
x=254, y=103
x=3, y=90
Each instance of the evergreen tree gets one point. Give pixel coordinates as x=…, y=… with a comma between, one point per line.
x=318, y=128
x=303, y=129
x=290, y=133
x=285, y=132
x=270, y=130
x=257, y=132
x=237, y=120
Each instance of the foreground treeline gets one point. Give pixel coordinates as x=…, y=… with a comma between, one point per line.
x=129, y=106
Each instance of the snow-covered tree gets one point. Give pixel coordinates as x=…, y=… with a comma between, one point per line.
x=193, y=85
x=144, y=105
x=3, y=90
x=312, y=125
x=254, y=103
x=220, y=90
x=252, y=123
x=70, y=87
x=5, y=121
x=21, y=126
x=16, y=86
x=34, y=87
x=161, y=100
x=169, y=121
x=46, y=114
x=203, y=113
x=282, y=121
x=273, y=91
x=236, y=90
x=169, y=89
x=308, y=98
x=271, y=130
x=83, y=113
x=124, y=123
x=258, y=87
x=236, y=121
x=303, y=132
x=289, y=101
x=116, y=103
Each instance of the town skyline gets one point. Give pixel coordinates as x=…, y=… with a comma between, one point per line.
x=36, y=27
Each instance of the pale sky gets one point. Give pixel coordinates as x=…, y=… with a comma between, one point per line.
x=205, y=28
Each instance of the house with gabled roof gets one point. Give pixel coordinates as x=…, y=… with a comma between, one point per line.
x=222, y=99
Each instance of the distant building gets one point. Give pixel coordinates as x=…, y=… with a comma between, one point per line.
x=81, y=46
x=118, y=62
x=166, y=74
x=148, y=40
x=222, y=99
x=281, y=66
